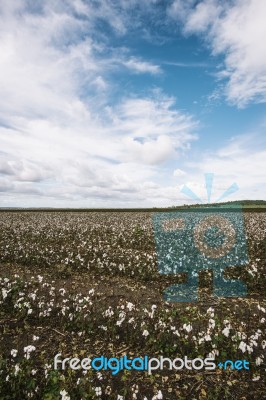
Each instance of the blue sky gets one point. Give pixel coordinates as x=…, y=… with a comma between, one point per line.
x=121, y=103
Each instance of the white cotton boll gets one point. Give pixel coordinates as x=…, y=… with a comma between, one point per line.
x=226, y=331
x=64, y=395
x=14, y=353
x=242, y=347
x=98, y=391
x=187, y=327
x=212, y=323
x=259, y=360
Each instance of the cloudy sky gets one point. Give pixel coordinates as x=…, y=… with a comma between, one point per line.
x=119, y=103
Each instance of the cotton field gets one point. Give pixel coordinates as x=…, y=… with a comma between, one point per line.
x=85, y=284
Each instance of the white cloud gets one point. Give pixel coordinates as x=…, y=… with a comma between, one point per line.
x=236, y=29
x=60, y=140
x=242, y=160
x=151, y=151
x=142, y=66
x=203, y=16
x=179, y=172
x=100, y=83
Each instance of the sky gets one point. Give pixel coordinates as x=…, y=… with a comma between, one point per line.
x=120, y=103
